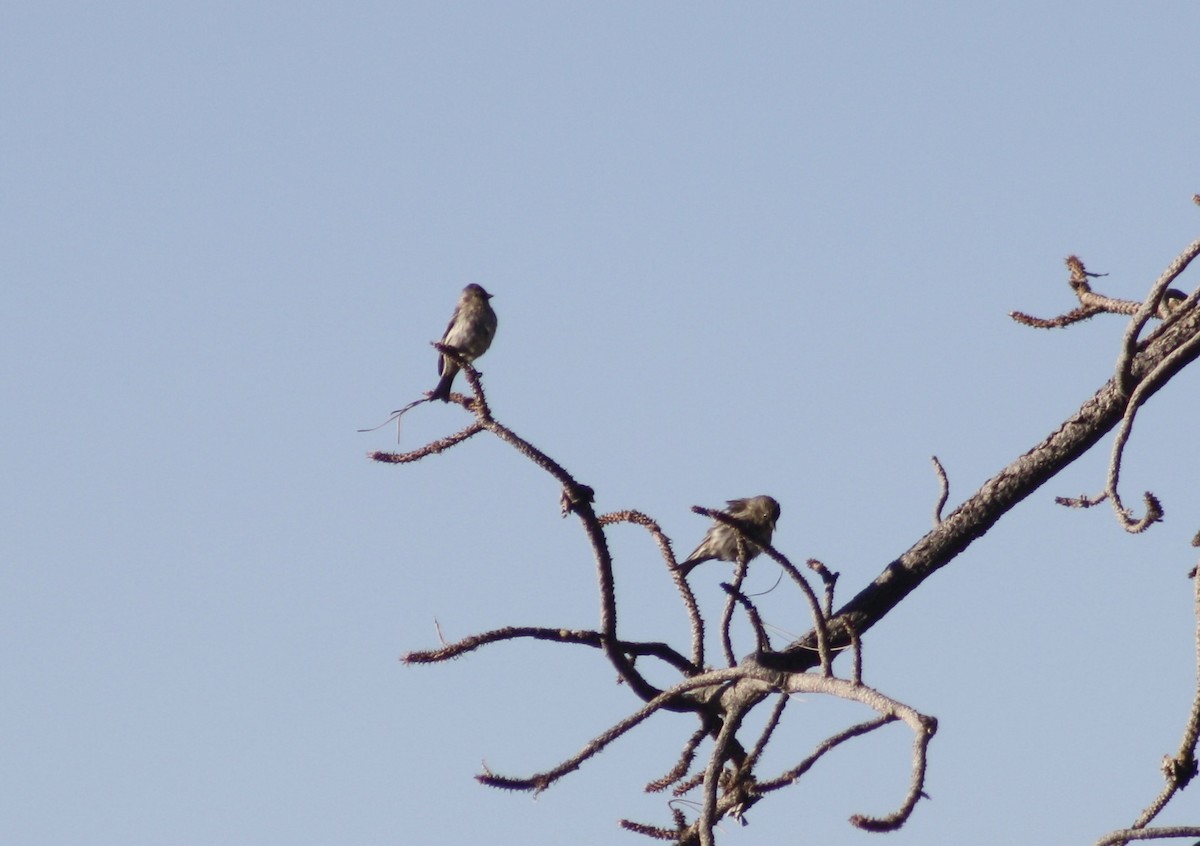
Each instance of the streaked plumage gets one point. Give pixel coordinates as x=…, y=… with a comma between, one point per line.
x=758, y=515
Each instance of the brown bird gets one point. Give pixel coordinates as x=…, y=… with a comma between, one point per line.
x=470, y=332
x=1172, y=299
x=757, y=516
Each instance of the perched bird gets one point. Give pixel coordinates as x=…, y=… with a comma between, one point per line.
x=757, y=516
x=470, y=332
x=1172, y=299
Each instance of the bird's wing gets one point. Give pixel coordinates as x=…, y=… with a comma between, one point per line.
x=445, y=336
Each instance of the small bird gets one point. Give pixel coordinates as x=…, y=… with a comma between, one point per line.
x=1172, y=299
x=757, y=516
x=470, y=332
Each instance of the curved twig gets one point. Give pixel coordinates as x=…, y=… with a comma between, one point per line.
x=685, y=590
x=583, y=637
x=916, y=788
x=744, y=791
x=829, y=579
x=944, y=494
x=818, y=615
x=1149, y=308
x=739, y=576
x=1146, y=387
x=923, y=728
x=761, y=638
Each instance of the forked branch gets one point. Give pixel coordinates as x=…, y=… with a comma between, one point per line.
x=723, y=699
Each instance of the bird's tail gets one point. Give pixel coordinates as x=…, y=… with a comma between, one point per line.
x=685, y=567
x=442, y=391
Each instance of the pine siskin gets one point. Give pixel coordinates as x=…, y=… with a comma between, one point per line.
x=757, y=515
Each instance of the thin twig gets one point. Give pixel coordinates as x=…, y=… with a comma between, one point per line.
x=1146, y=387
x=433, y=448
x=685, y=590
x=1081, y=501
x=652, y=831
x=827, y=745
x=582, y=637
x=856, y=645
x=1149, y=308
x=763, y=738
x=762, y=640
x=818, y=615
x=739, y=575
x=1180, y=769
x=1161, y=302
x=1073, y=316
x=944, y=482
x=540, y=781
x=681, y=766
x=829, y=579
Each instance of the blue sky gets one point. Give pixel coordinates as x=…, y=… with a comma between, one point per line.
x=765, y=249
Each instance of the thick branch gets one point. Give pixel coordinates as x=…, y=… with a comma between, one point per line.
x=998, y=495
x=1163, y=833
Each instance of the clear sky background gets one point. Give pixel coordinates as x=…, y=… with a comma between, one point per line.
x=734, y=250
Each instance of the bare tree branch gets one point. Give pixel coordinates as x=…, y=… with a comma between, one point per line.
x=540, y=781
x=739, y=575
x=582, y=637
x=1165, y=352
x=1162, y=833
x=761, y=639
x=685, y=591
x=434, y=448
x=829, y=579
x=1150, y=307
x=1180, y=769
x=685, y=761
x=827, y=745
x=723, y=699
